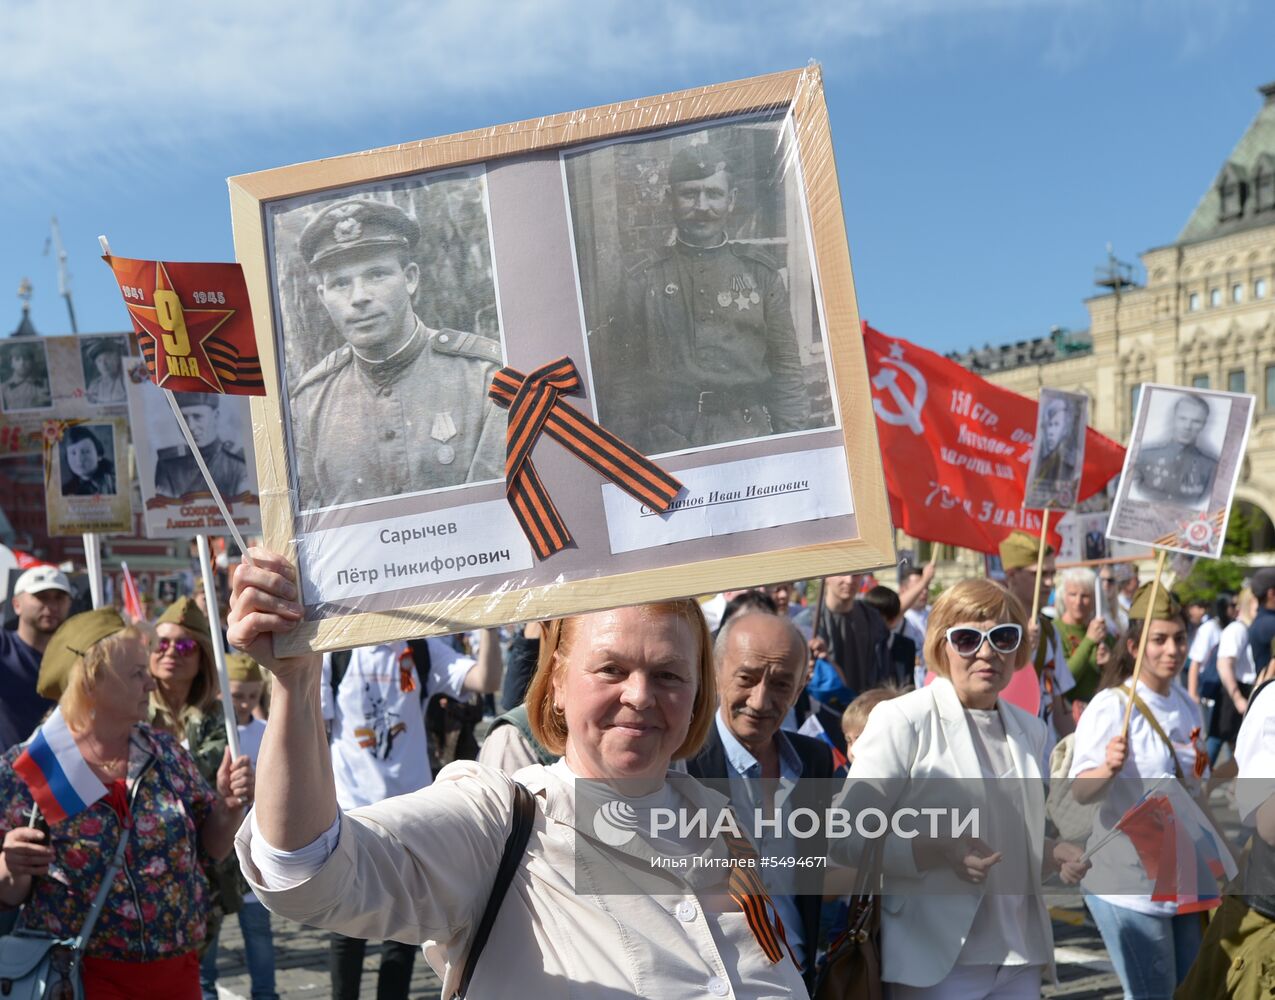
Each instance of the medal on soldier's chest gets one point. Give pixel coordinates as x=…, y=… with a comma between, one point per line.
x=745, y=293
x=443, y=430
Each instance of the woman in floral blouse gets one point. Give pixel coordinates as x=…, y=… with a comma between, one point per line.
x=145, y=942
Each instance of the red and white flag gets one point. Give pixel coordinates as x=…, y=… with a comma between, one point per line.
x=132, y=600
x=1182, y=853
x=957, y=448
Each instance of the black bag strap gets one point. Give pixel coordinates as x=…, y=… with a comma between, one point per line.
x=515, y=847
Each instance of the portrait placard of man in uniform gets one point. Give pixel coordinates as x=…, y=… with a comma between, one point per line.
x=400, y=291
x=24, y=376
x=1053, y=478
x=1181, y=469
x=697, y=287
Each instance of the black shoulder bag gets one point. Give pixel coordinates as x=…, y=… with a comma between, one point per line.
x=510, y=859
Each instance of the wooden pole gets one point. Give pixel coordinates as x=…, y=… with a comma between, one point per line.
x=1142, y=641
x=1040, y=565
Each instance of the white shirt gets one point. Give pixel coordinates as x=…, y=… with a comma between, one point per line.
x=1233, y=644
x=1115, y=866
x=250, y=739
x=378, y=728
x=915, y=623
x=1206, y=638
x=1255, y=755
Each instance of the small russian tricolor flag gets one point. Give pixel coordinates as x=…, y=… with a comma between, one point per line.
x=813, y=728
x=60, y=779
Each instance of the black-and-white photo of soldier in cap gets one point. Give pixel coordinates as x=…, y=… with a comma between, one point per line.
x=176, y=471
x=102, y=359
x=397, y=405
x=697, y=288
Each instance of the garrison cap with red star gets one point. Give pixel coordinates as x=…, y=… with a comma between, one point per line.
x=193, y=324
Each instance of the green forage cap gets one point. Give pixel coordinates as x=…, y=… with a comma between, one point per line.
x=71, y=641
x=1166, y=605
x=185, y=612
x=242, y=667
x=1021, y=549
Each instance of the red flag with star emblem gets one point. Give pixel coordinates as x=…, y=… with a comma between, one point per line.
x=193, y=324
x=957, y=448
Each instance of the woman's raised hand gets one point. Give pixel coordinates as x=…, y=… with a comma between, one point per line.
x=263, y=602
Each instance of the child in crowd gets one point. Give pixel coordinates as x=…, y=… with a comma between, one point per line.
x=855, y=718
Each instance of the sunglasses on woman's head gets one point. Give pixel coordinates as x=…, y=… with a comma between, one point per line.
x=183, y=647
x=967, y=641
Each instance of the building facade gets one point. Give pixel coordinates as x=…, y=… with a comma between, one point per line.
x=1204, y=316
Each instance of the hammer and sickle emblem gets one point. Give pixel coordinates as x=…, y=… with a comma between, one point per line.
x=908, y=412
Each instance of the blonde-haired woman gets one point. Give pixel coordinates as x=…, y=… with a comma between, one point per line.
x=620, y=694
x=144, y=943
x=975, y=901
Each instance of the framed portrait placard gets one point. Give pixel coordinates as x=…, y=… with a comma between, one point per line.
x=1058, y=452
x=687, y=253
x=86, y=476
x=1180, y=470
x=58, y=378
x=176, y=501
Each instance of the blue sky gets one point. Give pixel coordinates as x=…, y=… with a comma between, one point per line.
x=987, y=149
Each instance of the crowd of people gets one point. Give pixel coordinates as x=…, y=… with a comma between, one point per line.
x=367, y=805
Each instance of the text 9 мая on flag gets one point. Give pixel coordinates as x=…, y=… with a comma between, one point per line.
x=193, y=324
x=956, y=448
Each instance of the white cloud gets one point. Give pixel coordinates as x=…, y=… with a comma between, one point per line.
x=142, y=78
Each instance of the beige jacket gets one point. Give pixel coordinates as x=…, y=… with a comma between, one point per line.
x=419, y=868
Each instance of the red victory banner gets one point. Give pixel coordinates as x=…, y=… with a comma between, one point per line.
x=957, y=448
x=193, y=324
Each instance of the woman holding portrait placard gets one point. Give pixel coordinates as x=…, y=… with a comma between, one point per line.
x=620, y=694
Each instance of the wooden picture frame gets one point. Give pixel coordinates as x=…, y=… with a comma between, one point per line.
x=831, y=513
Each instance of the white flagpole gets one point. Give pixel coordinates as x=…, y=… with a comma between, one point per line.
x=208, y=479
x=219, y=649
x=93, y=566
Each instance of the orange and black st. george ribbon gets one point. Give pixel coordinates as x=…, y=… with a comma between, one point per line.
x=534, y=406
x=746, y=889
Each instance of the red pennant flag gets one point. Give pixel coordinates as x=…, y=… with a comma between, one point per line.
x=193, y=324
x=132, y=600
x=957, y=448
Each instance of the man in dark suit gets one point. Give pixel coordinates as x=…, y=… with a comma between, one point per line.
x=761, y=665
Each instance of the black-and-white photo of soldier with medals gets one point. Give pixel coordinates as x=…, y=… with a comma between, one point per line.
x=391, y=336
x=1053, y=478
x=697, y=286
x=1177, y=461
x=1181, y=469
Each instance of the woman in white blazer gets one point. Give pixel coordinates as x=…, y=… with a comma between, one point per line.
x=965, y=918
x=619, y=694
